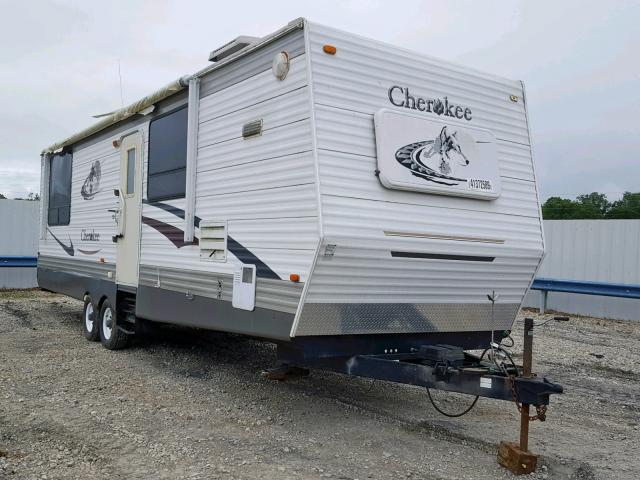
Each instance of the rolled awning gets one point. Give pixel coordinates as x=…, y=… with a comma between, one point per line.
x=123, y=113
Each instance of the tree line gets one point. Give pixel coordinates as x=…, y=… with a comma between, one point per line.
x=31, y=196
x=592, y=206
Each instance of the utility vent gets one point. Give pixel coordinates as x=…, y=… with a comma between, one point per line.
x=213, y=241
x=232, y=47
x=251, y=129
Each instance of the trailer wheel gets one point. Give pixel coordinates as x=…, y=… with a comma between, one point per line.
x=90, y=320
x=111, y=336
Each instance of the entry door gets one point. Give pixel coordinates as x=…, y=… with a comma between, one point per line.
x=128, y=238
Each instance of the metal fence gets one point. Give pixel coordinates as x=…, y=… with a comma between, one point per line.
x=580, y=251
x=18, y=243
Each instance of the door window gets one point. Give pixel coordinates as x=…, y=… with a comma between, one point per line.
x=131, y=171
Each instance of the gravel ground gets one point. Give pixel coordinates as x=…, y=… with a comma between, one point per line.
x=185, y=403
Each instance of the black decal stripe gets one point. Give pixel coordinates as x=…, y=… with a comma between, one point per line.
x=245, y=256
x=441, y=256
x=178, y=212
x=174, y=234
x=89, y=252
x=68, y=249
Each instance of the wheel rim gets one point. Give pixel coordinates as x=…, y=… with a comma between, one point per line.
x=107, y=323
x=88, y=317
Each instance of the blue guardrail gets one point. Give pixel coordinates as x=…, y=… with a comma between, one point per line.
x=18, y=261
x=587, y=288
x=546, y=285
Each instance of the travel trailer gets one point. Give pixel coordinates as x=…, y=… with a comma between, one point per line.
x=332, y=194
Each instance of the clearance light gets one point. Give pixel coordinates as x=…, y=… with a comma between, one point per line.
x=330, y=49
x=294, y=277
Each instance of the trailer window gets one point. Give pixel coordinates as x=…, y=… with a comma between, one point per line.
x=60, y=189
x=131, y=170
x=167, y=156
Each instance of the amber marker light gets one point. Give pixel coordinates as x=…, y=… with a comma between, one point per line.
x=294, y=277
x=330, y=49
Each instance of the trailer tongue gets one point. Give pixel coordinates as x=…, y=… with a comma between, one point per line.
x=493, y=374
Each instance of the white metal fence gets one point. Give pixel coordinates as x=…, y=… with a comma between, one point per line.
x=19, y=230
x=592, y=250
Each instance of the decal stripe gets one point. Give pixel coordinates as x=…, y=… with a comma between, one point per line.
x=176, y=236
x=178, y=212
x=245, y=256
x=68, y=249
x=441, y=256
x=89, y=252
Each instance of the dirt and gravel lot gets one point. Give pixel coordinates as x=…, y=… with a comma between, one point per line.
x=191, y=404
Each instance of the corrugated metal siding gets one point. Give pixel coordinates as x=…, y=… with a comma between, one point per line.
x=358, y=76
x=370, y=274
x=596, y=250
x=78, y=266
x=353, y=176
x=19, y=237
x=263, y=187
x=592, y=250
x=253, y=63
x=92, y=214
x=271, y=294
x=348, y=89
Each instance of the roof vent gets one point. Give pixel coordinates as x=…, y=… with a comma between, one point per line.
x=232, y=47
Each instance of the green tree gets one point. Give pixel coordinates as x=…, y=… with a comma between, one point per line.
x=594, y=205
x=626, y=208
x=2, y=197
x=556, y=208
x=31, y=197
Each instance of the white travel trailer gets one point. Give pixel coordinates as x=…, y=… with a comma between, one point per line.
x=330, y=193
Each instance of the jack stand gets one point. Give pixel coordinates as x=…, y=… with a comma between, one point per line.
x=512, y=456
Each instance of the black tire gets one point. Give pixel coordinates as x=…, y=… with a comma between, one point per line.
x=111, y=336
x=90, y=322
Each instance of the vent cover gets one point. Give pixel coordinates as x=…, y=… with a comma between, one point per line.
x=251, y=129
x=213, y=241
x=232, y=47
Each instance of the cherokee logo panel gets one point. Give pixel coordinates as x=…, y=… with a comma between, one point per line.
x=419, y=154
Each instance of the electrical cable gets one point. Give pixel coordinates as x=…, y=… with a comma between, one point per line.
x=452, y=415
x=475, y=400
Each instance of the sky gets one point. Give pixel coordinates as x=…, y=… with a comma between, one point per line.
x=61, y=63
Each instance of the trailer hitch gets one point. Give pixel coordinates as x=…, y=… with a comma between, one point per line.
x=534, y=390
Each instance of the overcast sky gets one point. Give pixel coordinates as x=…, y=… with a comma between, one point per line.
x=579, y=60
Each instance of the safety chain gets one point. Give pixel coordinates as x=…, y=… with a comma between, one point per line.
x=541, y=410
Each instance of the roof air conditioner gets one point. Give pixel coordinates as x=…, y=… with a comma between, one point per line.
x=232, y=47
